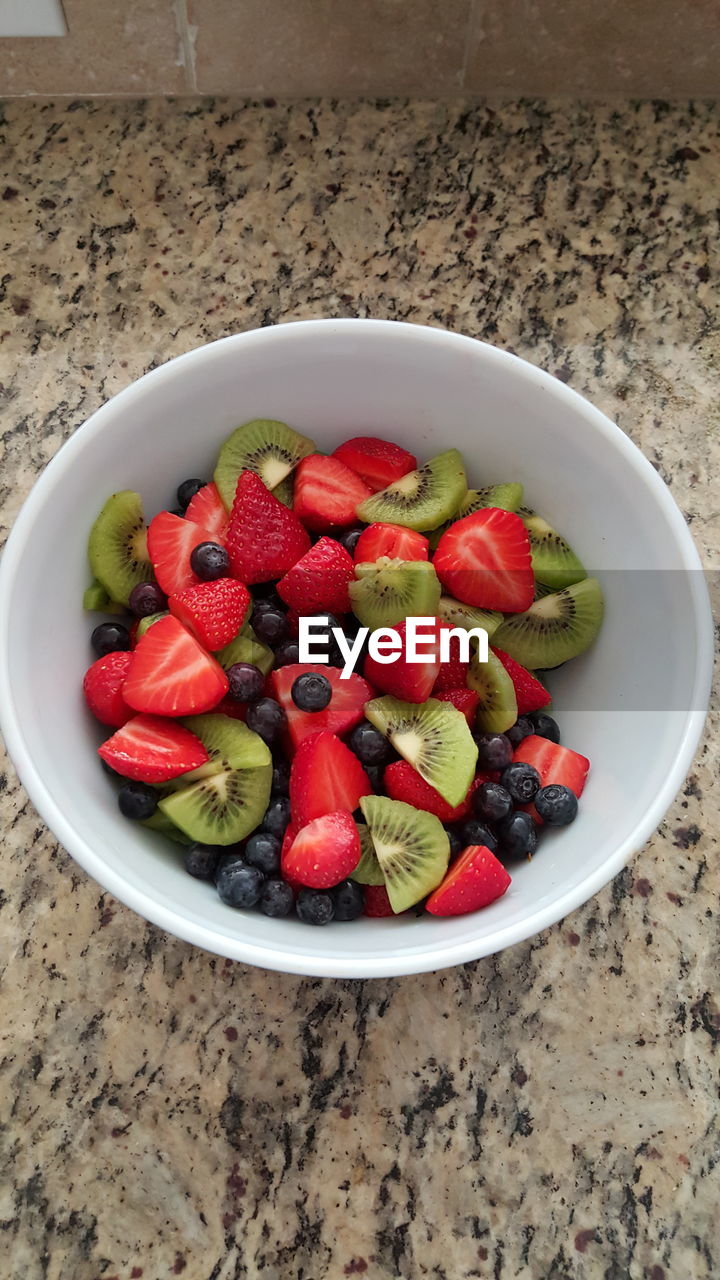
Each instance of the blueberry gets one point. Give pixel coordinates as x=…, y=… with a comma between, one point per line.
x=147, y=598
x=494, y=751
x=287, y=653
x=557, y=805
x=375, y=773
x=266, y=718
x=348, y=898
x=187, y=490
x=522, y=728
x=110, y=637
x=457, y=843
x=311, y=691
x=492, y=802
x=518, y=835
x=349, y=538
x=369, y=744
x=246, y=682
x=266, y=591
x=544, y=726
x=238, y=885
x=475, y=832
x=208, y=561
x=263, y=851
x=280, y=778
x=277, y=816
x=277, y=899
x=521, y=780
x=315, y=906
x=137, y=800
x=270, y=625
x=201, y=860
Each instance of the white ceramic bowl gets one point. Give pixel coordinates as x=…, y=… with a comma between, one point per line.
x=634, y=704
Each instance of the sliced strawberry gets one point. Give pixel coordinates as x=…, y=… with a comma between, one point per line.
x=171, y=674
x=390, y=540
x=530, y=693
x=264, y=538
x=475, y=880
x=402, y=782
x=343, y=712
x=465, y=700
x=102, y=687
x=453, y=673
x=376, y=903
x=319, y=580
x=554, y=763
x=324, y=778
x=411, y=681
x=484, y=560
x=327, y=493
x=290, y=834
x=171, y=541
x=324, y=852
x=208, y=509
x=150, y=749
x=214, y=611
x=377, y=462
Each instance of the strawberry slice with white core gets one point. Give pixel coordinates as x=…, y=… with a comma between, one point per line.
x=171, y=541
x=325, y=777
x=484, y=560
x=151, y=749
x=327, y=493
x=390, y=540
x=377, y=462
x=208, y=510
x=171, y=674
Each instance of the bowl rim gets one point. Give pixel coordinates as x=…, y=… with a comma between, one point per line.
x=433, y=957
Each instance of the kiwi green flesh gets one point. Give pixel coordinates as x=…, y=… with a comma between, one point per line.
x=229, y=741
x=97, y=600
x=368, y=869
x=160, y=823
x=411, y=846
x=497, y=709
x=146, y=623
x=269, y=448
x=554, y=629
x=388, y=591
x=117, y=546
x=421, y=499
x=246, y=648
x=285, y=491
x=507, y=497
x=223, y=808
x=433, y=737
x=458, y=614
x=554, y=562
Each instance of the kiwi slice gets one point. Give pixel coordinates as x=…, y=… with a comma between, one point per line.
x=421, y=499
x=222, y=808
x=433, y=737
x=506, y=496
x=497, y=709
x=285, y=491
x=117, y=547
x=270, y=448
x=368, y=869
x=164, y=827
x=412, y=848
x=228, y=742
x=97, y=600
x=553, y=560
x=465, y=615
x=388, y=591
x=555, y=628
x=145, y=624
x=246, y=648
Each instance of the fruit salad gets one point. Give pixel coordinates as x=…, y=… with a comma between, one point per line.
x=363, y=777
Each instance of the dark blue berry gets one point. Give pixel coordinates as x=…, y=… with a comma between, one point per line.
x=270, y=625
x=522, y=728
x=209, y=561
x=369, y=744
x=201, y=860
x=287, y=653
x=521, y=780
x=475, y=832
x=187, y=490
x=246, y=682
x=277, y=816
x=280, y=778
x=110, y=637
x=556, y=805
x=375, y=773
x=311, y=691
x=544, y=726
x=266, y=592
x=315, y=906
x=348, y=898
x=137, y=800
x=238, y=885
x=349, y=538
x=263, y=851
x=266, y=718
x=492, y=802
x=147, y=598
x=518, y=835
x=457, y=843
x=494, y=751
x=277, y=899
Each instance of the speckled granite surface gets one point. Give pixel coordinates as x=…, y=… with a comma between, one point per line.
x=547, y=1113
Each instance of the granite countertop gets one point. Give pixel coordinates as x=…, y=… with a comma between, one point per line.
x=550, y=1112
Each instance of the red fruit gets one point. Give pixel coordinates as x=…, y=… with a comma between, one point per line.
x=150, y=749
x=554, y=763
x=319, y=580
x=230, y=707
x=264, y=538
x=390, y=540
x=208, y=509
x=343, y=712
x=484, y=560
x=171, y=541
x=453, y=673
x=402, y=782
x=324, y=852
x=475, y=880
x=102, y=687
x=411, y=681
x=324, y=778
x=377, y=462
x=327, y=493
x=171, y=674
x=530, y=694
x=290, y=834
x=465, y=700
x=214, y=611
x=376, y=902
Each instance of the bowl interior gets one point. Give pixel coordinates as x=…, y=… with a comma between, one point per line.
x=634, y=704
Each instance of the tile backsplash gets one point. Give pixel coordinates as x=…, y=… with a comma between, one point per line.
x=429, y=48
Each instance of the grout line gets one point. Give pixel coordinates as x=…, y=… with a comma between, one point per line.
x=469, y=28
x=187, y=35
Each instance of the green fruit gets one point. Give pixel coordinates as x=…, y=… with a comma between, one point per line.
x=505, y=496
x=465, y=615
x=117, y=547
x=271, y=449
x=412, y=849
x=497, y=709
x=97, y=600
x=145, y=623
x=164, y=827
x=433, y=737
x=389, y=591
x=246, y=648
x=553, y=560
x=285, y=491
x=421, y=499
x=368, y=869
x=229, y=742
x=223, y=808
x=555, y=628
